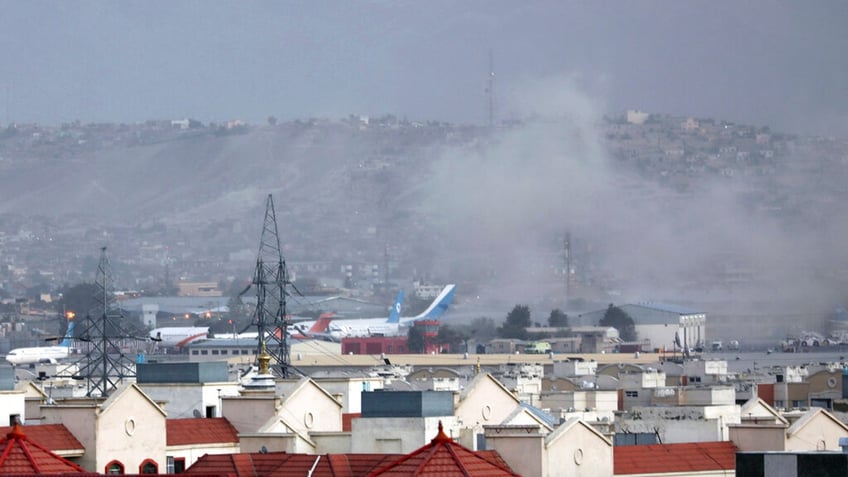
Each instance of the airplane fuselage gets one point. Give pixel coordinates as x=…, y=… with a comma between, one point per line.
x=179, y=336
x=40, y=354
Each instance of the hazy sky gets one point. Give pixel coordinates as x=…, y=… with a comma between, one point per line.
x=777, y=63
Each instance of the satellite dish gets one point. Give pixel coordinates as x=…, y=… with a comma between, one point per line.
x=197, y=413
x=263, y=450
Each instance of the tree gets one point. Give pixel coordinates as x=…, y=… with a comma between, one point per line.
x=517, y=322
x=452, y=337
x=558, y=319
x=415, y=340
x=482, y=328
x=620, y=320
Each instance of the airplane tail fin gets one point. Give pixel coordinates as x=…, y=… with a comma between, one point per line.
x=439, y=305
x=394, y=316
x=322, y=324
x=68, y=339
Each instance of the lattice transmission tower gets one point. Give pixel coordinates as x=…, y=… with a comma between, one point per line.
x=104, y=364
x=271, y=281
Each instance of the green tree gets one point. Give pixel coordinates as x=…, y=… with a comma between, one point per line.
x=620, y=320
x=558, y=319
x=415, y=340
x=517, y=322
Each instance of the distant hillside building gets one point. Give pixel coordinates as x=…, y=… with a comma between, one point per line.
x=634, y=116
x=198, y=289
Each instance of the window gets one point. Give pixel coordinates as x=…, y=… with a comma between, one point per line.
x=223, y=351
x=176, y=465
x=194, y=352
x=694, y=379
x=148, y=467
x=631, y=393
x=14, y=419
x=214, y=351
x=204, y=352
x=115, y=467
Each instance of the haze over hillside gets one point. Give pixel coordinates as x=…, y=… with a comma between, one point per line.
x=487, y=209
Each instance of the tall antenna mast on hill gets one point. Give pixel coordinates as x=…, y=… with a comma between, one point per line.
x=104, y=365
x=271, y=279
x=490, y=89
x=567, y=256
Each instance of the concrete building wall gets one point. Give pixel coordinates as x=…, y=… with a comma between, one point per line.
x=683, y=424
x=181, y=400
x=332, y=442
x=397, y=435
x=758, y=437
x=595, y=400
x=579, y=453
x=130, y=430
x=12, y=406
x=523, y=453
x=310, y=409
x=709, y=396
x=486, y=403
x=80, y=421
x=350, y=390
x=823, y=434
x=249, y=413
x=574, y=368
x=275, y=441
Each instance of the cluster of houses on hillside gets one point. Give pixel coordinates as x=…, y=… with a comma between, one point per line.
x=563, y=417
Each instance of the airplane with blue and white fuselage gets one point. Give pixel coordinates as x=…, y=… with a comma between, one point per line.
x=43, y=354
x=393, y=326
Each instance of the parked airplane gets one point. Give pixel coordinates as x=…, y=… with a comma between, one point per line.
x=179, y=336
x=395, y=324
x=300, y=332
x=311, y=329
x=43, y=354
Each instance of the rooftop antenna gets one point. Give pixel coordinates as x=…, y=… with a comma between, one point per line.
x=104, y=364
x=271, y=279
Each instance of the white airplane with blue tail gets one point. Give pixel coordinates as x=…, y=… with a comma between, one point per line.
x=43, y=354
x=395, y=324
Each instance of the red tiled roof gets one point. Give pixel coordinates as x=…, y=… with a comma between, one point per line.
x=19, y=455
x=280, y=464
x=662, y=458
x=55, y=437
x=444, y=457
x=441, y=457
x=194, y=431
